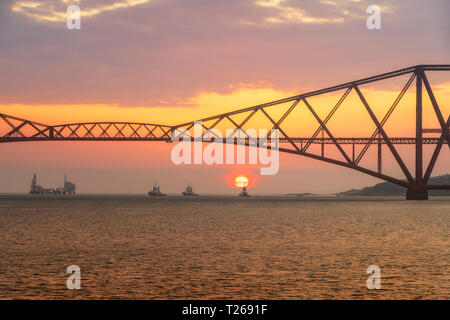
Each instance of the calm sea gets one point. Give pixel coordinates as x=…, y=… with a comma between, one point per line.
x=137, y=247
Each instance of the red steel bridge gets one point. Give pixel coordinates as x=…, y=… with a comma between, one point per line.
x=14, y=129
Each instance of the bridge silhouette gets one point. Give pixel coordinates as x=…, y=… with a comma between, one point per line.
x=21, y=130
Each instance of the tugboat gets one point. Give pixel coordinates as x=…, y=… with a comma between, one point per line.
x=189, y=191
x=155, y=191
x=244, y=193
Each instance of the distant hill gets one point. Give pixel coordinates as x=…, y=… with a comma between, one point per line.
x=390, y=189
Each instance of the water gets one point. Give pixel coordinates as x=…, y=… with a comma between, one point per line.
x=136, y=247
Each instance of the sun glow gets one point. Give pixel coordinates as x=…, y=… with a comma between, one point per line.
x=241, y=181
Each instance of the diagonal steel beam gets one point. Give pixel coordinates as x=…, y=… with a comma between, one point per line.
x=39, y=131
x=207, y=130
x=166, y=133
x=281, y=130
x=436, y=152
x=104, y=130
x=212, y=127
x=324, y=127
x=329, y=116
x=89, y=131
x=42, y=131
x=58, y=132
x=135, y=131
x=74, y=132
x=150, y=132
x=239, y=127
x=436, y=108
x=385, y=119
x=185, y=130
x=119, y=131
x=5, y=118
x=17, y=130
x=385, y=137
x=348, y=165
x=283, y=117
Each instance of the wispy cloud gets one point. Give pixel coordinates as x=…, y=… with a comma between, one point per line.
x=161, y=52
x=281, y=12
x=55, y=11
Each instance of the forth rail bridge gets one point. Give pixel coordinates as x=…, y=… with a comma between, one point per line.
x=417, y=186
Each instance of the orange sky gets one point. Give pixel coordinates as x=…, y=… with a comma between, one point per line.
x=300, y=123
x=171, y=62
x=351, y=120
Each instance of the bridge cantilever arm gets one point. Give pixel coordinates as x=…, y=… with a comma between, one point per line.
x=348, y=165
x=392, y=74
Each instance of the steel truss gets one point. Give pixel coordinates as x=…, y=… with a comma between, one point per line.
x=417, y=185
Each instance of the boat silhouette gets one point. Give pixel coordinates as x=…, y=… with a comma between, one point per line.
x=189, y=191
x=156, y=191
x=244, y=193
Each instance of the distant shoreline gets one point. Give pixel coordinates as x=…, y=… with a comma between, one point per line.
x=390, y=189
x=384, y=189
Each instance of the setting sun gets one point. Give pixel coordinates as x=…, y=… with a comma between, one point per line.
x=241, y=181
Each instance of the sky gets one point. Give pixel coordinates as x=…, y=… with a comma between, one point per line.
x=172, y=61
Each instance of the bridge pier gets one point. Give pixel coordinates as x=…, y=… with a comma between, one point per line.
x=417, y=194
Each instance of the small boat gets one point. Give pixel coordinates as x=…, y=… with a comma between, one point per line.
x=189, y=192
x=244, y=193
x=155, y=191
